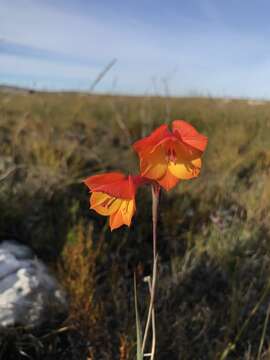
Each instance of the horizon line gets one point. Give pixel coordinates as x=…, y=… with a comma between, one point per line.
x=6, y=87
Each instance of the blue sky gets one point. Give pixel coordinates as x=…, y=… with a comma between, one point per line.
x=195, y=47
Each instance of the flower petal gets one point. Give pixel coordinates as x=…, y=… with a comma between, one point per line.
x=154, y=165
x=114, y=184
x=124, y=189
x=128, y=209
x=185, y=170
x=145, y=144
x=185, y=153
x=168, y=181
x=123, y=215
x=104, y=204
x=95, y=181
x=116, y=220
x=189, y=135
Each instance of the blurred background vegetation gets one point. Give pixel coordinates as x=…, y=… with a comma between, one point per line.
x=213, y=236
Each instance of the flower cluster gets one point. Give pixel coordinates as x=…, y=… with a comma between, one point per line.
x=166, y=157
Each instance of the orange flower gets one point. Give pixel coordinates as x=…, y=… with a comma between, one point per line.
x=113, y=195
x=168, y=157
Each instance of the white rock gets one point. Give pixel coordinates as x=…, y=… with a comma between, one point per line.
x=29, y=294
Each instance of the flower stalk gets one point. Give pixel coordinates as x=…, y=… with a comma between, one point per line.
x=152, y=287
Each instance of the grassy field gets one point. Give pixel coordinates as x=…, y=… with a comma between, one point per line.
x=213, y=237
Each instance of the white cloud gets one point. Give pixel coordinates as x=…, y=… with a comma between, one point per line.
x=36, y=24
x=208, y=59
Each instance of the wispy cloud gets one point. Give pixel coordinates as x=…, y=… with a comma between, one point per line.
x=52, y=40
x=33, y=52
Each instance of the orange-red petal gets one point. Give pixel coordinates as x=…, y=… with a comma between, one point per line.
x=154, y=165
x=123, y=215
x=113, y=184
x=168, y=181
x=185, y=153
x=116, y=220
x=93, y=182
x=189, y=135
x=147, y=143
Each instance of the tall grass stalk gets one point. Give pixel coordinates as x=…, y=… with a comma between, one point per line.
x=151, y=310
x=263, y=333
x=139, y=352
x=153, y=347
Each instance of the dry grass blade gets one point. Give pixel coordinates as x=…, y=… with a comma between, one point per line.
x=102, y=74
x=151, y=305
x=153, y=347
x=231, y=346
x=263, y=333
x=10, y=171
x=138, y=324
